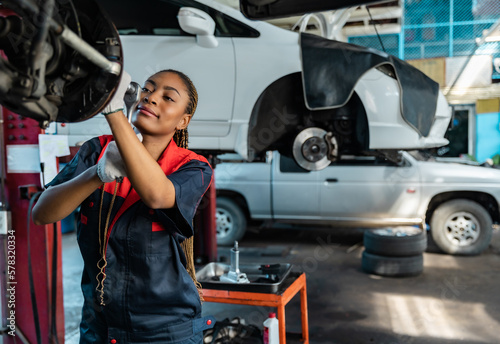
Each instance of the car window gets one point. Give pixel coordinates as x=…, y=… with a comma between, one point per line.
x=159, y=17
x=226, y=26
x=351, y=160
x=288, y=165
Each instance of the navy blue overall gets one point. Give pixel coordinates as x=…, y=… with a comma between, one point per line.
x=148, y=294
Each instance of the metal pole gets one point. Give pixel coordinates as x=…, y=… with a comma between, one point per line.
x=451, y=33
x=75, y=42
x=3, y=237
x=402, y=33
x=88, y=51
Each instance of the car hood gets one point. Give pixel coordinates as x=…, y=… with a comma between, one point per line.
x=331, y=69
x=452, y=172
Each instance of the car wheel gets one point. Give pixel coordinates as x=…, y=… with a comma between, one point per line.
x=392, y=266
x=461, y=227
x=231, y=222
x=400, y=241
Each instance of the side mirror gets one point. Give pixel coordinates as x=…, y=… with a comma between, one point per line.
x=199, y=23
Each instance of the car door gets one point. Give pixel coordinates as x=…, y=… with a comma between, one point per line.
x=369, y=188
x=153, y=40
x=295, y=191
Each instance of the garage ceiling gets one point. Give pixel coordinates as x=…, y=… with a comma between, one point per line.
x=354, y=22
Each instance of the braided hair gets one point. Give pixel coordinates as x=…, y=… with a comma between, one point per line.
x=181, y=140
x=181, y=137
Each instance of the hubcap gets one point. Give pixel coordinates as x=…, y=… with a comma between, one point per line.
x=224, y=222
x=462, y=229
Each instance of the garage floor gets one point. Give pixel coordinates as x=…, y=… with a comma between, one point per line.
x=455, y=299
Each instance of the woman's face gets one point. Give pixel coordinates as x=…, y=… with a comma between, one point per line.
x=162, y=108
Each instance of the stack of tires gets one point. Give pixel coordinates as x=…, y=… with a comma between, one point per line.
x=394, y=251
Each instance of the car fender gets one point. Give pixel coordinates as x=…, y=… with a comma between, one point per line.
x=481, y=196
x=325, y=62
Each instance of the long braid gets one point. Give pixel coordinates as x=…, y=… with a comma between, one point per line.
x=181, y=138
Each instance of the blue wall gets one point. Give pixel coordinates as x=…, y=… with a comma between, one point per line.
x=488, y=135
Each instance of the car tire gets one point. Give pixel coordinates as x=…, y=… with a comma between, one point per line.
x=231, y=221
x=400, y=241
x=392, y=266
x=461, y=227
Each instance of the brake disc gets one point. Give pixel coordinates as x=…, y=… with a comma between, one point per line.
x=311, y=149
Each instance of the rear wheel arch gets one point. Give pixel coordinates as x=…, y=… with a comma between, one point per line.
x=280, y=113
x=487, y=201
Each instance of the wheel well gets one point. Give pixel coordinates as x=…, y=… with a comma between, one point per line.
x=487, y=201
x=280, y=114
x=237, y=198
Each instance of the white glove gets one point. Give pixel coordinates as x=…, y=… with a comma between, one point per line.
x=117, y=103
x=111, y=167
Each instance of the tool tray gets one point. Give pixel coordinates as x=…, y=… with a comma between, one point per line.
x=265, y=278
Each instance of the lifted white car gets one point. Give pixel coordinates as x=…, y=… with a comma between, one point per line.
x=264, y=88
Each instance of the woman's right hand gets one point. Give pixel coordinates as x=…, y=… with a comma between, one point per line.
x=111, y=166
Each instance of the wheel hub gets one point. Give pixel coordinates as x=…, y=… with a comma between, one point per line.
x=462, y=229
x=312, y=150
x=224, y=223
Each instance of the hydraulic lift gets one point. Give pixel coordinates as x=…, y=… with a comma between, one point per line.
x=32, y=294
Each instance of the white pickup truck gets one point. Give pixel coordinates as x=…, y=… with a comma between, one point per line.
x=459, y=202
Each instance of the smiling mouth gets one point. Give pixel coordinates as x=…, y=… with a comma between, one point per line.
x=147, y=112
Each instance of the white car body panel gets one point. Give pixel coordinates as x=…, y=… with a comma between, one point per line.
x=215, y=74
x=388, y=129
x=260, y=64
x=375, y=191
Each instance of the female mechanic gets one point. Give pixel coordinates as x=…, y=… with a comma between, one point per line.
x=137, y=203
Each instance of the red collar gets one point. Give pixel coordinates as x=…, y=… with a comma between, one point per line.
x=170, y=161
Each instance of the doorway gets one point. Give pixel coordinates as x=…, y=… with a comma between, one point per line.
x=460, y=133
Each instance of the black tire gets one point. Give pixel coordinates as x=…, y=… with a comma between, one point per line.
x=231, y=222
x=392, y=266
x=400, y=241
x=461, y=227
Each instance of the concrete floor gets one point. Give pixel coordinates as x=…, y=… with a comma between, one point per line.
x=455, y=299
